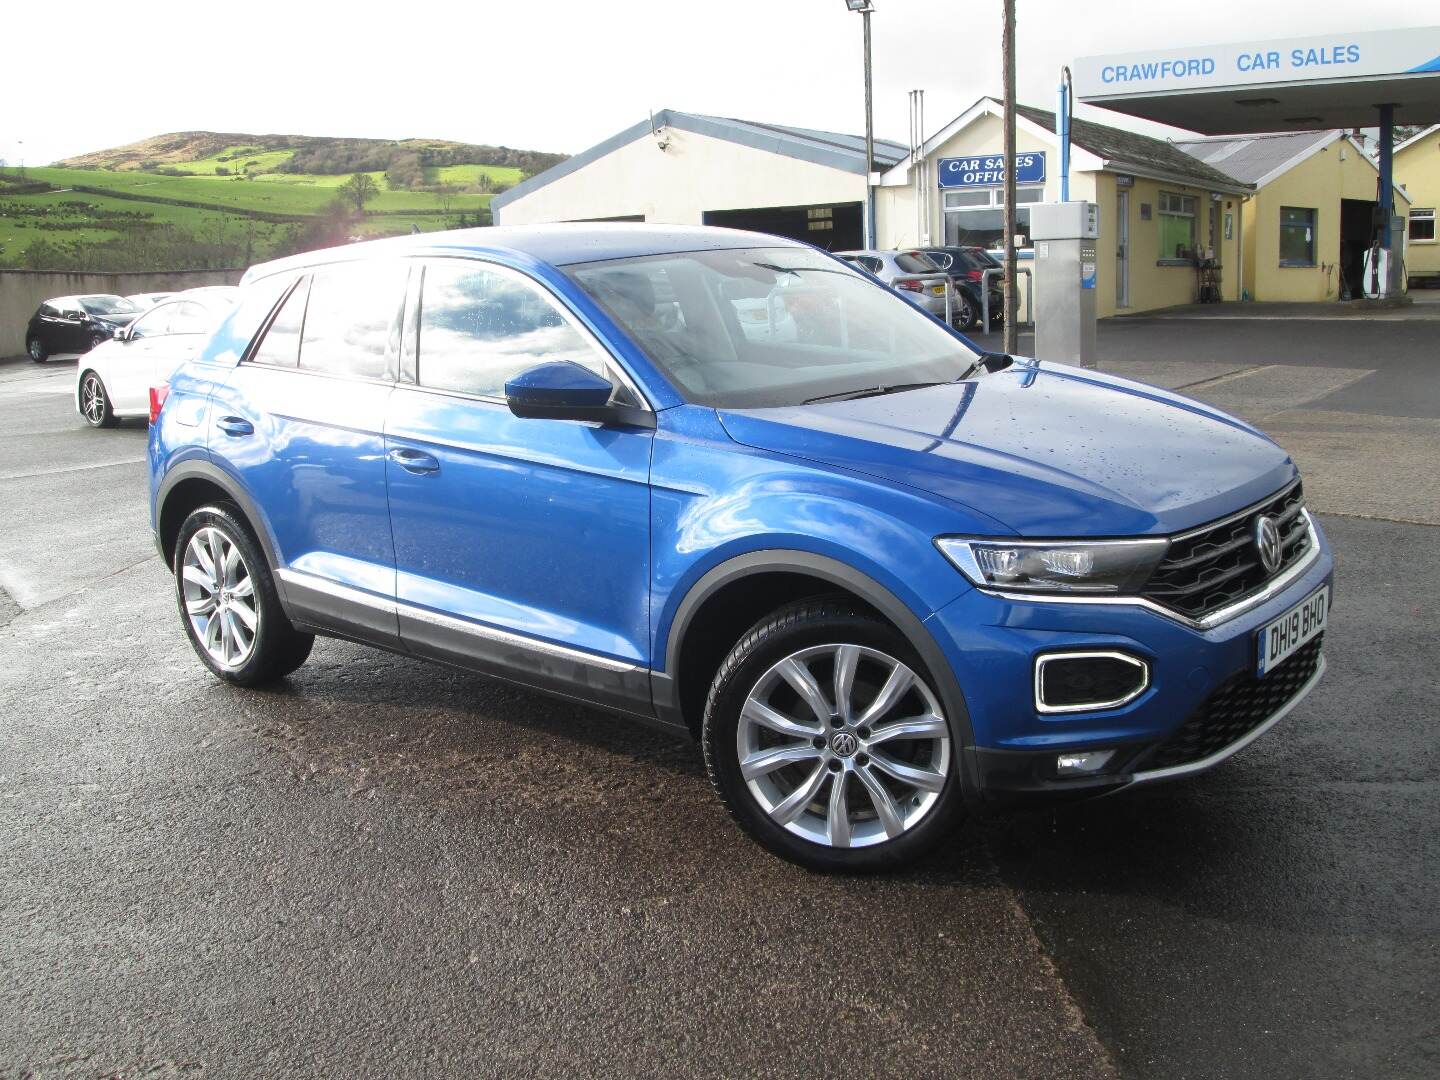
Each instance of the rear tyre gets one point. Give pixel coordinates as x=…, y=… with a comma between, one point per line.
x=965, y=316
x=95, y=402
x=826, y=741
x=228, y=603
x=36, y=348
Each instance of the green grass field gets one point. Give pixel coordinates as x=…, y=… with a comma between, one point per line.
x=276, y=193
x=209, y=206
x=236, y=158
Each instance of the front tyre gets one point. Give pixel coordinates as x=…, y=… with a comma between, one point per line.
x=95, y=402
x=228, y=604
x=827, y=742
x=36, y=348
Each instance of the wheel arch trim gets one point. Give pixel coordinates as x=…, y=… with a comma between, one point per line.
x=844, y=576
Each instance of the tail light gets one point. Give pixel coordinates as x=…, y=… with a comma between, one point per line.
x=975, y=275
x=909, y=285
x=158, y=394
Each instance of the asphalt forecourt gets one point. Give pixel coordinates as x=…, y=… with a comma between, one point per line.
x=388, y=868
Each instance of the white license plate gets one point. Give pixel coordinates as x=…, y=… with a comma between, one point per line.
x=1281, y=637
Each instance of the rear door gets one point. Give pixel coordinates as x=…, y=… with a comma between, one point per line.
x=522, y=546
x=301, y=422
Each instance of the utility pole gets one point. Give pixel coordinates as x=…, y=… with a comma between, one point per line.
x=865, y=8
x=1007, y=48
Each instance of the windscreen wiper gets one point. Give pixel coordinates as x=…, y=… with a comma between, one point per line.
x=873, y=391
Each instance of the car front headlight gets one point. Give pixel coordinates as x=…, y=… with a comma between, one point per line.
x=1052, y=566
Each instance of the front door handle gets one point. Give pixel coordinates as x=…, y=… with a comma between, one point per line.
x=235, y=426
x=414, y=461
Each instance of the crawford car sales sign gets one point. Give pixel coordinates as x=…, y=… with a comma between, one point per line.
x=988, y=170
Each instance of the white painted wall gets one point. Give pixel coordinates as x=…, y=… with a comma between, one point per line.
x=675, y=186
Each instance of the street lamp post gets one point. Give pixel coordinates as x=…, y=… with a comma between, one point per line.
x=866, y=8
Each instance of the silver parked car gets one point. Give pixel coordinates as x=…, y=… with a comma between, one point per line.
x=906, y=271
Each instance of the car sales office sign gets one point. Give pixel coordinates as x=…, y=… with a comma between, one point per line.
x=988, y=170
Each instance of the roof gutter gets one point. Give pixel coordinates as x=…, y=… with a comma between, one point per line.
x=1234, y=187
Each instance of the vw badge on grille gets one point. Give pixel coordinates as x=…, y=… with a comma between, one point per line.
x=843, y=743
x=1267, y=542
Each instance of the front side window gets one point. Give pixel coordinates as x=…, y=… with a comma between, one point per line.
x=351, y=319
x=481, y=326
x=190, y=318
x=1422, y=226
x=761, y=327
x=154, y=323
x=1297, y=236
x=1176, y=220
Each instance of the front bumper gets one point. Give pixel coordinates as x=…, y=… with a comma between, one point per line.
x=1200, y=678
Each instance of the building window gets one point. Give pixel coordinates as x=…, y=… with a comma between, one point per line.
x=1422, y=226
x=1177, y=226
x=975, y=217
x=1297, y=236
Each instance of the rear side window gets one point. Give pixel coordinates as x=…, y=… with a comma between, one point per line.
x=942, y=259
x=351, y=319
x=912, y=262
x=280, y=346
x=480, y=327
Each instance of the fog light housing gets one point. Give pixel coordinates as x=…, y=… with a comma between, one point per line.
x=1087, y=681
x=1082, y=763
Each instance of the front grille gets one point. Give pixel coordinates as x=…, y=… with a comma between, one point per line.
x=1205, y=570
x=1235, y=710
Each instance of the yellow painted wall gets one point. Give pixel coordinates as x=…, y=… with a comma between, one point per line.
x=1417, y=167
x=675, y=186
x=1339, y=171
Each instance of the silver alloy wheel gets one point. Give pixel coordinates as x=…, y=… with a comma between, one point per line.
x=37, y=351
x=857, y=763
x=219, y=596
x=92, y=399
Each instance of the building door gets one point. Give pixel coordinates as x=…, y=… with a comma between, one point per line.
x=1122, y=249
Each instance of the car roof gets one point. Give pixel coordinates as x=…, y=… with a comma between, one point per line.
x=558, y=244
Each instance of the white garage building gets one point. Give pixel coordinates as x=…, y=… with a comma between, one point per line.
x=688, y=169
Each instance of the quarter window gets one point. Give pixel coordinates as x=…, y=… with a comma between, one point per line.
x=351, y=318
x=1422, y=225
x=281, y=344
x=1177, y=226
x=1297, y=236
x=480, y=327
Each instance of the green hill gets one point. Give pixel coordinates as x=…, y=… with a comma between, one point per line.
x=203, y=199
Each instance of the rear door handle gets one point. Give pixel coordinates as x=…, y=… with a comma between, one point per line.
x=414, y=461
x=235, y=426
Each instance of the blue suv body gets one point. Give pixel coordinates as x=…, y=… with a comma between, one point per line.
x=724, y=483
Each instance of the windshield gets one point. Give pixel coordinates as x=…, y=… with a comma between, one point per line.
x=108, y=305
x=761, y=327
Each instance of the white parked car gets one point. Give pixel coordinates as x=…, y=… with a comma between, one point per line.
x=113, y=380
x=149, y=299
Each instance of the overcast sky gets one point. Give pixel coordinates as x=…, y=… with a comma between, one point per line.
x=559, y=75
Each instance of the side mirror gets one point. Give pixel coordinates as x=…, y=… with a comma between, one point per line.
x=124, y=333
x=563, y=390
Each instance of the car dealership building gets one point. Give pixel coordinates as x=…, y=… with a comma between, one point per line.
x=1160, y=209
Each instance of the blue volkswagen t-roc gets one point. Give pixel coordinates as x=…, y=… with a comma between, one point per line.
x=725, y=483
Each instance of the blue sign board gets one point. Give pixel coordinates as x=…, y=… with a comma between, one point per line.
x=988, y=170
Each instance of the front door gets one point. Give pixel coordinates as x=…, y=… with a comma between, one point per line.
x=1122, y=249
x=522, y=546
